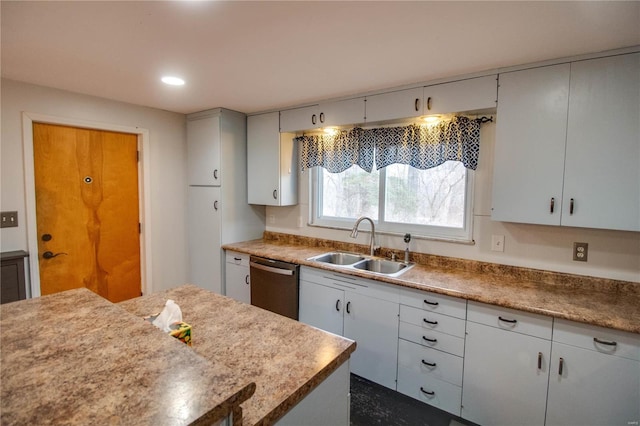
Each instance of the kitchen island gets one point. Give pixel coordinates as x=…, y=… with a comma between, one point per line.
x=76, y=358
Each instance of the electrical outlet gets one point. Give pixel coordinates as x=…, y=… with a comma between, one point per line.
x=497, y=243
x=272, y=219
x=8, y=219
x=580, y=251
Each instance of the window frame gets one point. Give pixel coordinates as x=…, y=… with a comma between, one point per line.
x=463, y=234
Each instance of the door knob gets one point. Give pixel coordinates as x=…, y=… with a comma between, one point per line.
x=50, y=255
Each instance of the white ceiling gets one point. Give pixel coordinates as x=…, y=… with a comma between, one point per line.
x=256, y=56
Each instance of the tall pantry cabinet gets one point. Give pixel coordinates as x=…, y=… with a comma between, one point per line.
x=218, y=211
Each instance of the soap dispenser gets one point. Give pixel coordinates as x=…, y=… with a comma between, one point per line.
x=407, y=238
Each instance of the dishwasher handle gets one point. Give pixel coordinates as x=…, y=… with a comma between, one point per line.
x=271, y=269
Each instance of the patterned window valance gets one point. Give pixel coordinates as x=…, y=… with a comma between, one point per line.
x=422, y=147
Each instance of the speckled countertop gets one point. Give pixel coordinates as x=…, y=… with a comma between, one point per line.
x=257, y=345
x=75, y=358
x=602, y=302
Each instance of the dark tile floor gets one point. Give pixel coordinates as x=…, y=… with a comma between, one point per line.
x=373, y=404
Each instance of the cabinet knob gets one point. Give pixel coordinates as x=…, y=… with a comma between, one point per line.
x=338, y=305
x=246, y=279
x=416, y=105
x=348, y=307
x=431, y=303
x=510, y=321
x=429, y=103
x=430, y=322
x=313, y=119
x=552, y=205
x=215, y=174
x=430, y=340
x=429, y=364
x=539, y=360
x=322, y=117
x=215, y=205
x=560, y=366
x=571, y=206
x=275, y=194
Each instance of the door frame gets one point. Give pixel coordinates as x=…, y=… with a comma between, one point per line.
x=144, y=191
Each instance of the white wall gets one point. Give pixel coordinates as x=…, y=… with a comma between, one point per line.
x=612, y=254
x=167, y=145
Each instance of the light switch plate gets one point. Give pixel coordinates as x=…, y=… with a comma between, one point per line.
x=497, y=243
x=8, y=219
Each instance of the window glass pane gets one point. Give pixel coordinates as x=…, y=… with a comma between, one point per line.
x=350, y=194
x=434, y=196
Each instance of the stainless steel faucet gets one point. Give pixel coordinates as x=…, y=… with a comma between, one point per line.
x=354, y=232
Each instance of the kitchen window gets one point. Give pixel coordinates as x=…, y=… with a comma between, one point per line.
x=436, y=202
x=421, y=182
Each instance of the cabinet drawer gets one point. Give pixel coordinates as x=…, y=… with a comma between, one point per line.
x=237, y=258
x=511, y=320
x=433, y=302
x=432, y=321
x=423, y=361
x=627, y=345
x=445, y=396
x=432, y=339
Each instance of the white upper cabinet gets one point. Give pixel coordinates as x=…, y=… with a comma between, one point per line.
x=394, y=105
x=473, y=94
x=271, y=162
x=568, y=145
x=530, y=139
x=338, y=113
x=602, y=168
x=203, y=149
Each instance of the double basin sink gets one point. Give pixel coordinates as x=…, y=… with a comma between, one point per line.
x=374, y=265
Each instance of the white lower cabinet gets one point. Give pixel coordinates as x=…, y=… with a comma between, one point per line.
x=431, y=348
x=237, y=277
x=593, y=382
x=506, y=366
x=359, y=309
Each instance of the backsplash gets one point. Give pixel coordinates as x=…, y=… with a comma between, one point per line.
x=570, y=281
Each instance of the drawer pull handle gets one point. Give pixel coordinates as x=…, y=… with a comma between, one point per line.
x=348, y=306
x=338, y=305
x=605, y=342
x=429, y=364
x=429, y=103
x=560, y=366
x=430, y=393
x=416, y=104
x=237, y=259
x=431, y=303
x=430, y=322
x=246, y=279
x=429, y=340
x=539, y=360
x=510, y=321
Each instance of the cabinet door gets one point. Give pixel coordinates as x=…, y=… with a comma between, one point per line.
x=321, y=307
x=238, y=284
x=298, y=119
x=530, y=142
x=502, y=384
x=340, y=113
x=373, y=324
x=271, y=162
x=464, y=95
x=592, y=389
x=203, y=151
x=204, y=237
x=394, y=105
x=602, y=171
x=263, y=158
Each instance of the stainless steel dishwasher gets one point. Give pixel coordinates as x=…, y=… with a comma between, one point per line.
x=274, y=286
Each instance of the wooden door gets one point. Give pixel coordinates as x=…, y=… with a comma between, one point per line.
x=86, y=184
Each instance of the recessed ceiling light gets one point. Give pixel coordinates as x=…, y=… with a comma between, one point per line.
x=173, y=81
